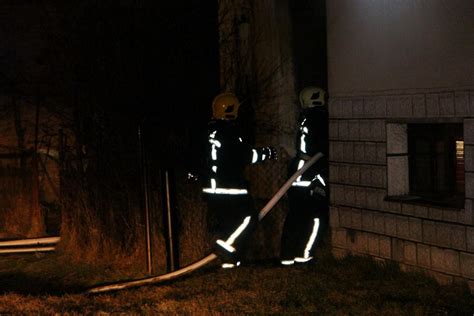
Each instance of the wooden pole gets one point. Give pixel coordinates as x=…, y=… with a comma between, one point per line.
x=145, y=198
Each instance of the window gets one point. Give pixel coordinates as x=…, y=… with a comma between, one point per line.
x=436, y=162
x=425, y=163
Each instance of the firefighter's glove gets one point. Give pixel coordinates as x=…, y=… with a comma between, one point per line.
x=271, y=153
x=318, y=191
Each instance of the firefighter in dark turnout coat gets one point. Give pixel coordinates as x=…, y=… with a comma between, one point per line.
x=230, y=206
x=307, y=219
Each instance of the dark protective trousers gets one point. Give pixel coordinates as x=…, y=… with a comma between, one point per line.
x=299, y=223
x=226, y=213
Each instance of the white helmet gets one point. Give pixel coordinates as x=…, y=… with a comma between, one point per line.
x=311, y=97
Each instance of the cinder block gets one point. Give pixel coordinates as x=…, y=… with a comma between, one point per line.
x=344, y=173
x=333, y=129
x=406, y=109
x=356, y=219
x=345, y=217
x=397, y=175
x=470, y=239
x=397, y=140
x=373, y=244
x=339, y=237
x=351, y=239
x=334, y=217
x=446, y=104
x=373, y=201
x=348, y=152
x=358, y=108
x=450, y=215
x=336, y=194
x=392, y=207
x=423, y=255
x=435, y=213
x=419, y=105
x=390, y=225
x=366, y=175
x=441, y=278
x=409, y=252
x=437, y=259
x=360, y=197
x=466, y=216
x=398, y=249
x=461, y=103
x=354, y=177
x=421, y=211
x=415, y=231
x=381, y=194
x=379, y=132
x=334, y=108
x=365, y=130
x=349, y=196
x=353, y=127
x=393, y=106
x=333, y=173
x=467, y=265
x=370, y=154
x=469, y=158
x=451, y=260
x=381, y=153
x=429, y=232
x=336, y=150
x=362, y=244
x=381, y=107
x=369, y=107
x=385, y=244
x=408, y=209
x=367, y=221
x=343, y=130
x=471, y=103
x=379, y=223
x=379, y=176
x=346, y=108
x=469, y=178
x=402, y=227
x=443, y=234
x=458, y=237
x=359, y=151
x=469, y=131
x=432, y=105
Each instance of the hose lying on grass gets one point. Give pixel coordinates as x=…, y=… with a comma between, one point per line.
x=200, y=263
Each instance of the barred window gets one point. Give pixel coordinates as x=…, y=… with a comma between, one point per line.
x=436, y=163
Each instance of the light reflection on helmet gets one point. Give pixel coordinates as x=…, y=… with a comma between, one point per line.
x=311, y=97
x=225, y=106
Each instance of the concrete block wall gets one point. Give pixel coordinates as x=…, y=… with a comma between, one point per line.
x=436, y=240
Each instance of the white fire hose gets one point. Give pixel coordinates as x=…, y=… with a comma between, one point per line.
x=198, y=264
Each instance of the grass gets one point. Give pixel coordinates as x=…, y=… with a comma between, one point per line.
x=351, y=286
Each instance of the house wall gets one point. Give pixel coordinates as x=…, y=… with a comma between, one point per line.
x=398, y=61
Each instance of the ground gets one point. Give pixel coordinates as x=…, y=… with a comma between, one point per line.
x=351, y=286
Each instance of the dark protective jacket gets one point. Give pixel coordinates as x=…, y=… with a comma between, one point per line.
x=227, y=154
x=312, y=137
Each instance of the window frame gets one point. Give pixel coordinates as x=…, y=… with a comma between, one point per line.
x=400, y=163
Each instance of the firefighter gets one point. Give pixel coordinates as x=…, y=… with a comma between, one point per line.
x=307, y=218
x=232, y=215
